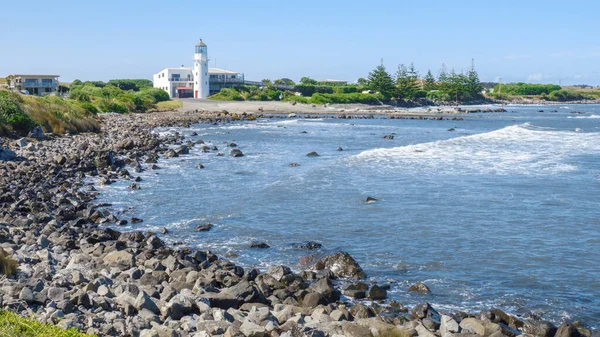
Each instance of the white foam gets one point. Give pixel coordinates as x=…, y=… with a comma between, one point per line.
x=519, y=149
x=586, y=117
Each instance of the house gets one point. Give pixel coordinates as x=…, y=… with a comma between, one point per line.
x=39, y=85
x=198, y=81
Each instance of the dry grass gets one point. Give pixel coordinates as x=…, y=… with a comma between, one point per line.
x=12, y=325
x=59, y=115
x=591, y=92
x=167, y=106
x=394, y=333
x=8, y=266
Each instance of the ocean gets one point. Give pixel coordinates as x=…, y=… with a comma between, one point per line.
x=496, y=210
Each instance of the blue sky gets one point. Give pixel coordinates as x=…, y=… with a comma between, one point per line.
x=527, y=40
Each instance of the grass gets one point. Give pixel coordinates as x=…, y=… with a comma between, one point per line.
x=59, y=115
x=8, y=266
x=394, y=333
x=590, y=92
x=12, y=325
x=167, y=106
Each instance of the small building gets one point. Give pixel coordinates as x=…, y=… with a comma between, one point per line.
x=38, y=85
x=198, y=81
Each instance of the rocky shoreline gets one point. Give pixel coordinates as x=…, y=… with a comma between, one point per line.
x=76, y=270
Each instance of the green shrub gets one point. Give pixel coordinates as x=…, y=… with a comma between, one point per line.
x=306, y=90
x=227, y=94
x=299, y=99
x=345, y=98
x=89, y=107
x=158, y=95
x=80, y=95
x=564, y=95
x=12, y=114
x=345, y=89
x=12, y=325
x=526, y=89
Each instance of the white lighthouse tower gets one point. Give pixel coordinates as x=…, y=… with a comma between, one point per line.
x=201, y=88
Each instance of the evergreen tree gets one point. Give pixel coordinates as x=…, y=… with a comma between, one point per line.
x=473, y=86
x=407, y=82
x=380, y=80
x=429, y=81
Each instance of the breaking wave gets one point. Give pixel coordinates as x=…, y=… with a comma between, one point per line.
x=518, y=149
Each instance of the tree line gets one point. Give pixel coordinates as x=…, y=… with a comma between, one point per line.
x=407, y=85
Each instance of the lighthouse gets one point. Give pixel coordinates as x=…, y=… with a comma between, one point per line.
x=201, y=88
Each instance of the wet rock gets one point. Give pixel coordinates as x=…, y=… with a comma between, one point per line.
x=340, y=149
x=342, y=265
x=203, y=228
x=377, y=293
x=294, y=165
x=452, y=129
x=425, y=310
x=312, y=154
x=308, y=245
x=540, y=328
x=236, y=153
x=390, y=137
x=260, y=245
x=134, y=187
x=199, y=166
x=567, y=330
x=136, y=220
x=370, y=200
x=419, y=287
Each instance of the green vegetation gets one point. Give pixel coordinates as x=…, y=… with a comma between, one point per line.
x=119, y=96
x=382, y=82
x=59, y=115
x=12, y=116
x=12, y=325
x=525, y=89
x=167, y=106
x=8, y=266
x=563, y=96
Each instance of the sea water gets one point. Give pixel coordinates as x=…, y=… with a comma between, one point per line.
x=503, y=211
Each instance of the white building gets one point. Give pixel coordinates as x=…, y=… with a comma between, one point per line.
x=38, y=85
x=198, y=81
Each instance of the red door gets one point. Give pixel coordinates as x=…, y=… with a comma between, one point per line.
x=196, y=94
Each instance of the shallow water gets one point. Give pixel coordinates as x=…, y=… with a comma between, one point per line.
x=502, y=212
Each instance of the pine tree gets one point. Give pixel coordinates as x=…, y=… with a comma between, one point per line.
x=407, y=82
x=380, y=80
x=473, y=85
x=429, y=81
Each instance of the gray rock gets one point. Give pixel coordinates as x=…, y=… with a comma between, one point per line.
x=567, y=330
x=419, y=287
x=540, y=328
x=250, y=329
x=342, y=265
x=236, y=153
x=377, y=293
x=448, y=325
x=312, y=154
x=143, y=301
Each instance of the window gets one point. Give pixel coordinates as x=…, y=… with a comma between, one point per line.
x=46, y=81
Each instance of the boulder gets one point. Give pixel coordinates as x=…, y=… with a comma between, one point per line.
x=203, y=228
x=419, y=287
x=342, y=265
x=250, y=329
x=448, y=325
x=120, y=258
x=325, y=287
x=540, y=328
x=260, y=245
x=567, y=330
x=377, y=293
x=481, y=328
x=278, y=272
x=236, y=153
x=312, y=154
x=309, y=245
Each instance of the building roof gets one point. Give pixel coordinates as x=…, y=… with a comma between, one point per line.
x=332, y=81
x=200, y=44
x=221, y=71
x=32, y=75
x=213, y=71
